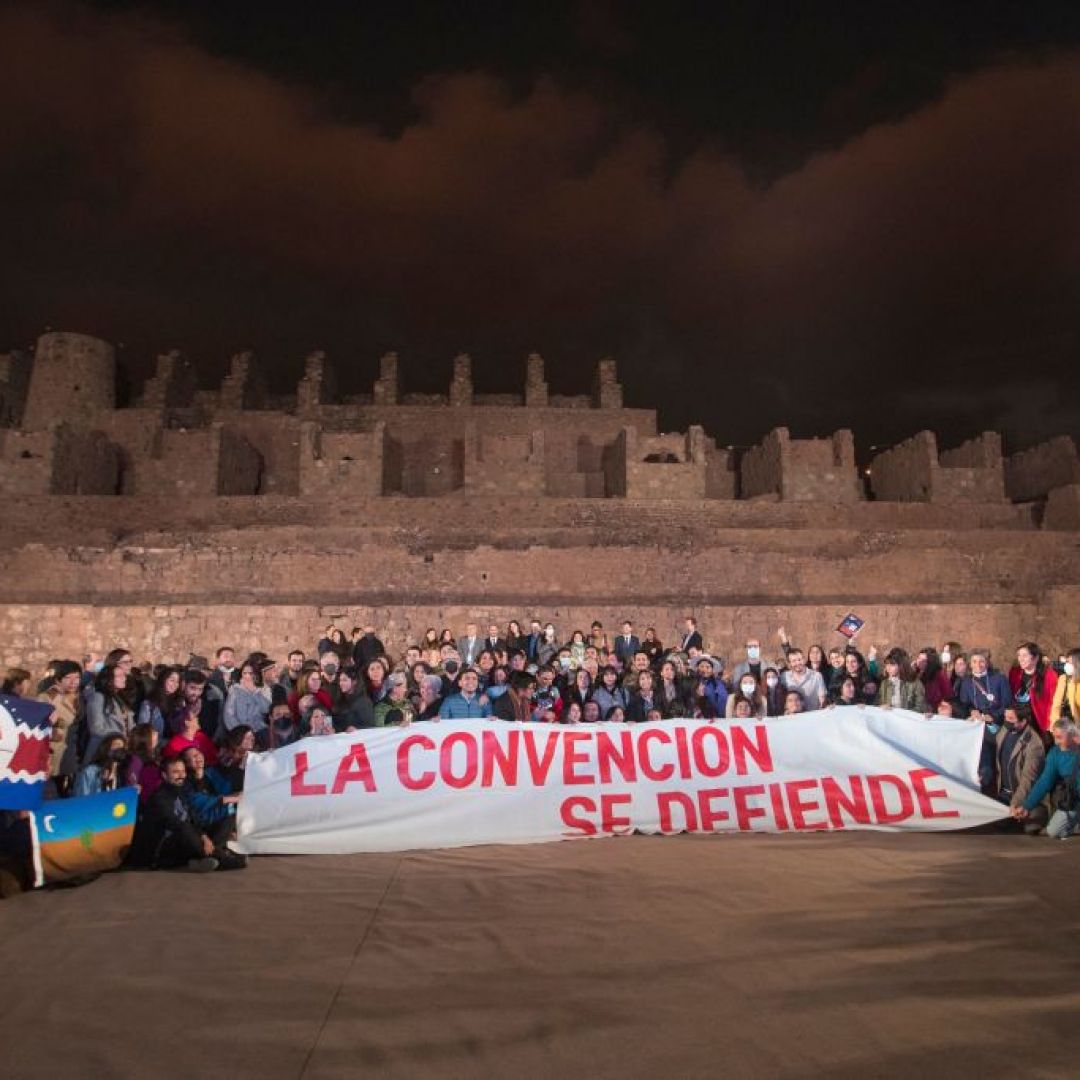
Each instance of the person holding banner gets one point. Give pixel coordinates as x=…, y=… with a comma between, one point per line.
x=1019, y=760
x=1060, y=775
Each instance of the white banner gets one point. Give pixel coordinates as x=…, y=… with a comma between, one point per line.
x=455, y=783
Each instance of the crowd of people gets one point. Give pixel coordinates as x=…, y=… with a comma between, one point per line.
x=181, y=733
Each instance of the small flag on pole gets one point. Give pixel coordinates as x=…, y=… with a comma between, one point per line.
x=850, y=625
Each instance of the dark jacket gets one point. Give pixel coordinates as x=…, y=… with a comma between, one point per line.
x=355, y=711
x=624, y=649
x=637, y=710
x=990, y=694
x=366, y=648
x=1023, y=768
x=166, y=823
x=503, y=708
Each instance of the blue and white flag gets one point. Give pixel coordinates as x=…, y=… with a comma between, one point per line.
x=24, y=751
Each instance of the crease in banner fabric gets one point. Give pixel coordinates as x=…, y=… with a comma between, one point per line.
x=463, y=782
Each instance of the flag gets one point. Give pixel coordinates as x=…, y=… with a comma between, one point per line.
x=850, y=625
x=24, y=751
x=83, y=835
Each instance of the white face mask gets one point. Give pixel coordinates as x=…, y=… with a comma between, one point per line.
x=771, y=681
x=747, y=688
x=1070, y=668
x=752, y=652
x=946, y=656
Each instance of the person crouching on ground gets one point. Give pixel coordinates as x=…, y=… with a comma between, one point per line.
x=1060, y=774
x=1018, y=763
x=167, y=836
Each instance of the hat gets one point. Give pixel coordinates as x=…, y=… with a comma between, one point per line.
x=397, y=679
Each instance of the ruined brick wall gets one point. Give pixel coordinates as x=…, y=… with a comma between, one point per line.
x=342, y=463
x=762, y=466
x=73, y=378
x=973, y=472
x=239, y=464
x=1034, y=473
x=821, y=470
x=514, y=464
x=14, y=385
x=904, y=473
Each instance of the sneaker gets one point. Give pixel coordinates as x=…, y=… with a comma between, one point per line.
x=202, y=866
x=230, y=860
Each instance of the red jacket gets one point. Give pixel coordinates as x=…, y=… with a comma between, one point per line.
x=1040, y=703
x=179, y=743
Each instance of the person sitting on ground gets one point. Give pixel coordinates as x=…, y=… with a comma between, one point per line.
x=901, y=689
x=590, y=712
x=615, y=715
x=1019, y=760
x=105, y=771
x=210, y=797
x=1060, y=775
x=467, y=701
x=742, y=707
x=572, y=714
x=800, y=677
x=517, y=703
x=166, y=836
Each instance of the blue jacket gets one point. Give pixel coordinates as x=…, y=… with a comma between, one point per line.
x=206, y=800
x=1059, y=766
x=457, y=707
x=974, y=696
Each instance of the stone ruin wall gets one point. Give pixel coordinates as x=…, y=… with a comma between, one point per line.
x=201, y=517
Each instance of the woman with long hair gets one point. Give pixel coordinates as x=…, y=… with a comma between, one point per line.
x=901, y=689
x=247, y=702
x=936, y=683
x=1066, y=703
x=1034, y=682
x=163, y=700
x=104, y=770
x=108, y=709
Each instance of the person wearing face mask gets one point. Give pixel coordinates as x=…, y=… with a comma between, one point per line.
x=284, y=728
x=751, y=665
x=748, y=689
x=1019, y=759
x=774, y=692
x=1066, y=704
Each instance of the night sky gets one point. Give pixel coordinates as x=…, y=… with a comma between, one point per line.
x=822, y=215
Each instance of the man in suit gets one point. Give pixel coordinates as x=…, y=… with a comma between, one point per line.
x=691, y=637
x=626, y=644
x=493, y=641
x=533, y=641
x=469, y=646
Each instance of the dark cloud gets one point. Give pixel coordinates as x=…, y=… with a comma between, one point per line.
x=160, y=195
